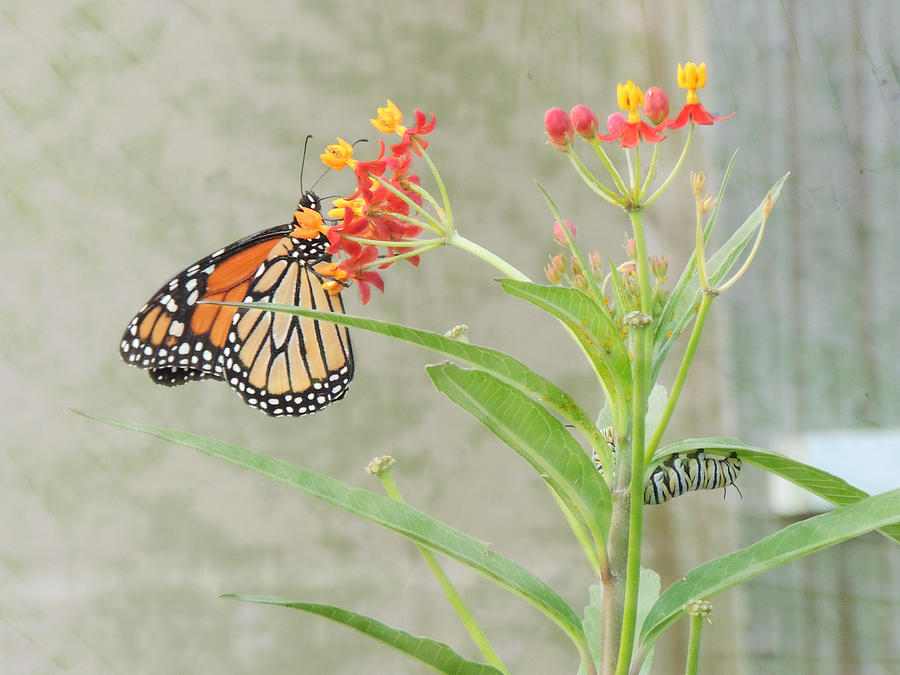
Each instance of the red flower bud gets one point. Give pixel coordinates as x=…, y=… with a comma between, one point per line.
x=615, y=122
x=584, y=120
x=656, y=105
x=559, y=127
x=558, y=233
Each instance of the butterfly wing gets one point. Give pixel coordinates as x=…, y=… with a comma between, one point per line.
x=284, y=364
x=281, y=364
x=179, y=340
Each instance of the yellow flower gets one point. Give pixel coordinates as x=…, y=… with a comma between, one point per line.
x=357, y=206
x=338, y=155
x=692, y=77
x=389, y=119
x=630, y=99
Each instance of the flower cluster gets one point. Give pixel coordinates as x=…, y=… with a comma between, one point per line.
x=381, y=213
x=616, y=289
x=628, y=128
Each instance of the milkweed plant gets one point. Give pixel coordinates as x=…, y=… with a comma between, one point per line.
x=625, y=316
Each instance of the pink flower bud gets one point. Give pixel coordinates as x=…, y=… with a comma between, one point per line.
x=559, y=235
x=584, y=120
x=559, y=127
x=631, y=248
x=615, y=122
x=656, y=105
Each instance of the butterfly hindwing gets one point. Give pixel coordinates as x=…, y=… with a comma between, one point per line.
x=284, y=364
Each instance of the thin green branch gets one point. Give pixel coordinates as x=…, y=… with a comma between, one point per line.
x=683, y=369
x=650, y=172
x=440, y=183
x=609, y=166
x=478, y=635
x=675, y=169
x=404, y=243
x=381, y=262
x=762, y=228
x=456, y=239
x=592, y=182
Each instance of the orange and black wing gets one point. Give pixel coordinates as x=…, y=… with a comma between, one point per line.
x=281, y=364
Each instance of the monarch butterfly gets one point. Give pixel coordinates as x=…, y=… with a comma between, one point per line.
x=279, y=363
x=682, y=473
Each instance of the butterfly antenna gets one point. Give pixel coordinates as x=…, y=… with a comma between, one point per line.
x=303, y=160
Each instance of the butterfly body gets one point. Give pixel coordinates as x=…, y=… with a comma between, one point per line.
x=279, y=363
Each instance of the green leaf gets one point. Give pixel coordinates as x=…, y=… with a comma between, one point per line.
x=683, y=302
x=593, y=624
x=794, y=541
x=430, y=652
x=817, y=481
x=530, y=430
x=499, y=364
x=397, y=516
x=590, y=325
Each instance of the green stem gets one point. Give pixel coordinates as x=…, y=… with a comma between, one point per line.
x=450, y=591
x=651, y=172
x=456, y=239
x=675, y=170
x=448, y=212
x=762, y=228
x=636, y=179
x=608, y=165
x=693, y=655
x=680, y=377
x=592, y=182
x=403, y=243
x=640, y=369
x=381, y=262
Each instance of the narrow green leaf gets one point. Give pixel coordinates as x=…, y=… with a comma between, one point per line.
x=397, y=516
x=499, y=364
x=530, y=430
x=432, y=653
x=792, y=542
x=591, y=326
x=817, y=481
x=683, y=302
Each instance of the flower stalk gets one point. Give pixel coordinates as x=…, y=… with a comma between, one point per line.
x=381, y=467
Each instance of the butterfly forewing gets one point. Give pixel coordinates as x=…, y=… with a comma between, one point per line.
x=281, y=364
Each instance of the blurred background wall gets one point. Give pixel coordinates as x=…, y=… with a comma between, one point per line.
x=138, y=137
